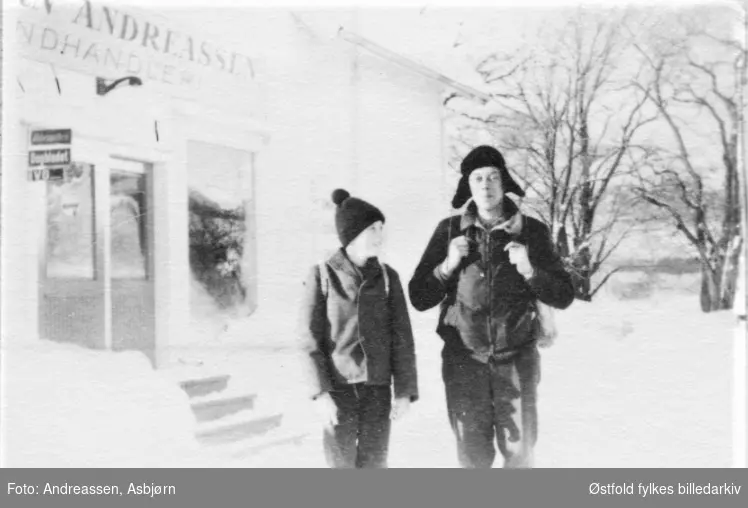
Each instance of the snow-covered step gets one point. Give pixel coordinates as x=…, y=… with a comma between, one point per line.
x=238, y=427
x=306, y=453
x=232, y=389
x=214, y=407
x=272, y=439
x=204, y=385
x=180, y=371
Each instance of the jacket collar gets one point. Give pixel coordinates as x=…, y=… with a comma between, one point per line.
x=340, y=262
x=512, y=222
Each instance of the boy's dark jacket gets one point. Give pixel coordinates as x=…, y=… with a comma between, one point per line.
x=486, y=305
x=355, y=330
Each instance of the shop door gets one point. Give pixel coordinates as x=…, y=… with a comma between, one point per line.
x=97, y=269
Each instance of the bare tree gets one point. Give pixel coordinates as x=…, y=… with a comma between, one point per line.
x=568, y=122
x=694, y=76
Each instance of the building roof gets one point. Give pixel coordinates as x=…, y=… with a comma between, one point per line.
x=403, y=61
x=334, y=28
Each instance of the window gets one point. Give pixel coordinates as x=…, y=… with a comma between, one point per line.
x=128, y=225
x=70, y=224
x=221, y=229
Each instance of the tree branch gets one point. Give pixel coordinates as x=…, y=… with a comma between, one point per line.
x=702, y=101
x=715, y=84
x=605, y=279
x=680, y=225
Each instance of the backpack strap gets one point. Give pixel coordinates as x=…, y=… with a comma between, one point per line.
x=386, y=278
x=324, y=282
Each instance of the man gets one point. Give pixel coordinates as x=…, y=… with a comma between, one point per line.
x=487, y=268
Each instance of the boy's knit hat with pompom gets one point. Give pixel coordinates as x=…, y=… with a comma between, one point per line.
x=353, y=215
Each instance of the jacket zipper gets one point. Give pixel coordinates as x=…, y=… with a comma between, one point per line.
x=490, y=290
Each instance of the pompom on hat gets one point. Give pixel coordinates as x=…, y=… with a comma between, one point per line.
x=481, y=157
x=353, y=215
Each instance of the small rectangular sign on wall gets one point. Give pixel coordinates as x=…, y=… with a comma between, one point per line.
x=44, y=174
x=52, y=137
x=55, y=157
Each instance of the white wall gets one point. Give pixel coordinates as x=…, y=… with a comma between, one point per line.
x=340, y=117
x=400, y=157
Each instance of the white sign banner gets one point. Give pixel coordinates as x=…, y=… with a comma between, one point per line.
x=112, y=42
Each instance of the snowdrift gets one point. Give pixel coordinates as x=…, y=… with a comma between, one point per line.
x=73, y=407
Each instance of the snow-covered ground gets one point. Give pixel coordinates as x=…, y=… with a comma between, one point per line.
x=639, y=378
x=629, y=383
x=66, y=406
x=638, y=384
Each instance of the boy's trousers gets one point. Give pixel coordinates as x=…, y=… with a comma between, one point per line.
x=493, y=401
x=361, y=437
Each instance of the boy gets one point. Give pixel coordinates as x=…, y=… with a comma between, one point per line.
x=356, y=331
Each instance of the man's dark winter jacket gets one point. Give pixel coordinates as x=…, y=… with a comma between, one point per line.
x=487, y=307
x=355, y=328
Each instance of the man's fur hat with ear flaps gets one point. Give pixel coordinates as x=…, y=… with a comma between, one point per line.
x=481, y=157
